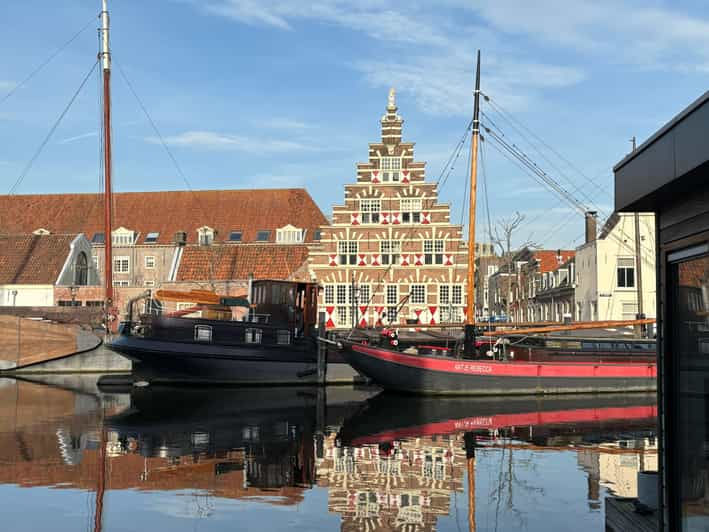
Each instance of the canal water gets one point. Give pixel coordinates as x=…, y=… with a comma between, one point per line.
x=74, y=457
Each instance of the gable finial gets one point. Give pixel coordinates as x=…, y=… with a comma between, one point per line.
x=391, y=106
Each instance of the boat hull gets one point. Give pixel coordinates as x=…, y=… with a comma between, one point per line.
x=435, y=375
x=164, y=361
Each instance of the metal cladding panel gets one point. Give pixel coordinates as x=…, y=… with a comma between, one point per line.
x=643, y=175
x=692, y=141
x=643, y=178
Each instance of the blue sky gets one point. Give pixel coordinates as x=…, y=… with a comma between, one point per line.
x=270, y=93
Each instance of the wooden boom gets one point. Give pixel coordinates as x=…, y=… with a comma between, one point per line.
x=587, y=325
x=198, y=297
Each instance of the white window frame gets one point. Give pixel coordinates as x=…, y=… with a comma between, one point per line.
x=121, y=283
x=329, y=294
x=390, y=251
x=341, y=294
x=433, y=252
x=418, y=294
x=289, y=235
x=119, y=262
x=625, y=264
x=369, y=210
x=150, y=262
x=347, y=252
x=390, y=168
x=205, y=236
x=122, y=237
x=411, y=210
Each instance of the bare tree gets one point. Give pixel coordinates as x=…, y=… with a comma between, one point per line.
x=502, y=238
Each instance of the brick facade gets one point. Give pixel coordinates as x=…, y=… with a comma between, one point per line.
x=393, y=238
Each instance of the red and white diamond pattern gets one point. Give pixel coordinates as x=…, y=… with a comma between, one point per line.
x=418, y=259
x=375, y=176
x=395, y=218
x=405, y=176
x=332, y=260
x=355, y=218
x=448, y=260
x=376, y=260
x=361, y=259
x=425, y=218
x=404, y=260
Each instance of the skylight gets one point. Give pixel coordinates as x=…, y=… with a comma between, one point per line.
x=152, y=238
x=98, y=238
x=235, y=236
x=263, y=236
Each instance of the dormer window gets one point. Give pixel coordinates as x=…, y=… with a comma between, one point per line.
x=123, y=237
x=289, y=235
x=205, y=236
x=152, y=238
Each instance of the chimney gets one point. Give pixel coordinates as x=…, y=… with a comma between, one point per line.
x=180, y=238
x=591, y=223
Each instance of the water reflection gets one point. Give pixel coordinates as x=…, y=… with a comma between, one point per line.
x=336, y=458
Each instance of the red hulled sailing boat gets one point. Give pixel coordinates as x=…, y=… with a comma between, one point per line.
x=462, y=371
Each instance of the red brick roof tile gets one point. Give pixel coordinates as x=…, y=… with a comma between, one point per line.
x=33, y=259
x=235, y=262
x=166, y=213
x=548, y=259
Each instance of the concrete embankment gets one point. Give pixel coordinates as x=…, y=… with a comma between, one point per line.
x=37, y=346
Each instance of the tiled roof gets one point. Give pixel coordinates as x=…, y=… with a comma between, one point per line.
x=248, y=211
x=548, y=259
x=228, y=262
x=33, y=259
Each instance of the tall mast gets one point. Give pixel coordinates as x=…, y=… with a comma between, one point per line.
x=470, y=318
x=105, y=57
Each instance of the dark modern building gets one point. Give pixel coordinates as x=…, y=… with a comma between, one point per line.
x=669, y=175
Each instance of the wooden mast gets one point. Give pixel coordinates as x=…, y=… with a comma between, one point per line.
x=105, y=55
x=470, y=315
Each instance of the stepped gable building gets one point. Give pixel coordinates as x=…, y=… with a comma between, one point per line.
x=394, y=239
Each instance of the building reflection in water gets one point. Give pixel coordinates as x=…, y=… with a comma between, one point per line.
x=381, y=471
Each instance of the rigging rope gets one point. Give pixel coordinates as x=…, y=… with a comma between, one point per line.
x=169, y=153
x=44, y=63
x=27, y=167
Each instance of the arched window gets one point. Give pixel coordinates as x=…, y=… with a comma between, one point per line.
x=81, y=270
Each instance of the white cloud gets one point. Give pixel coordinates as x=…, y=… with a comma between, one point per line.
x=87, y=135
x=283, y=123
x=211, y=140
x=630, y=31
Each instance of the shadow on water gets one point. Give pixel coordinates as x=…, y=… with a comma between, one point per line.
x=340, y=458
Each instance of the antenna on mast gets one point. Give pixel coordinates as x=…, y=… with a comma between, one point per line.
x=469, y=341
x=105, y=56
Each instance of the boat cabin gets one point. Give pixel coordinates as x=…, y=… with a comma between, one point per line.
x=284, y=302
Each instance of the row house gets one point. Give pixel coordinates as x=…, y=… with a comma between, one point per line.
x=607, y=270
x=485, y=267
x=155, y=231
x=520, y=278
x=551, y=294
x=391, y=254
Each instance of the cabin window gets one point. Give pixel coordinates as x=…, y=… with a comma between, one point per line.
x=626, y=273
x=253, y=336
x=433, y=251
x=203, y=333
x=369, y=209
x=282, y=337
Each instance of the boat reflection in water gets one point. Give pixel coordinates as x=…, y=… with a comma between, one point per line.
x=395, y=464
x=328, y=458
